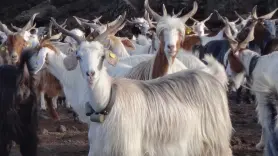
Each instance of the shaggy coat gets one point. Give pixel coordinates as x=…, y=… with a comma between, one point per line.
x=134, y=125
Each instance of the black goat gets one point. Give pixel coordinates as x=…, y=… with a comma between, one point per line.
x=18, y=108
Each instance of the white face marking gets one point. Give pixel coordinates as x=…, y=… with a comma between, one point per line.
x=26, y=35
x=199, y=28
x=90, y=55
x=171, y=37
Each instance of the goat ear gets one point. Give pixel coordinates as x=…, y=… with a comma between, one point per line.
x=127, y=43
x=111, y=58
x=70, y=62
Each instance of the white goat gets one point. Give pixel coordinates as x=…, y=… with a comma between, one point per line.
x=133, y=124
x=263, y=73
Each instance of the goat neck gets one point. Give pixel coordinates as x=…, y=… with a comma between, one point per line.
x=99, y=95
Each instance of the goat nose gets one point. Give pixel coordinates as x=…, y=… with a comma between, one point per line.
x=90, y=73
x=171, y=47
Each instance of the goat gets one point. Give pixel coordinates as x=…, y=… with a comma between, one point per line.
x=248, y=61
x=16, y=42
x=19, y=121
x=144, y=134
x=264, y=31
x=45, y=83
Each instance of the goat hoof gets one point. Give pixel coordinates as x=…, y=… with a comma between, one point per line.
x=260, y=146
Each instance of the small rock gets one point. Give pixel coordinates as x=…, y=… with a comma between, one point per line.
x=74, y=128
x=61, y=129
x=44, y=131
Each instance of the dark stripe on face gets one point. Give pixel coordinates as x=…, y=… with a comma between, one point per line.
x=100, y=65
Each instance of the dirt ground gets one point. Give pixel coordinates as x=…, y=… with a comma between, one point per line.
x=74, y=141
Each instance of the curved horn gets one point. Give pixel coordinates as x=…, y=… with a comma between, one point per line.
x=235, y=20
x=254, y=13
x=96, y=20
x=250, y=36
x=149, y=20
x=81, y=19
x=208, y=18
x=219, y=16
x=66, y=32
x=33, y=27
x=16, y=28
x=111, y=28
x=193, y=19
x=241, y=18
x=269, y=15
x=30, y=22
x=78, y=21
x=178, y=14
x=5, y=29
x=191, y=13
x=153, y=13
x=164, y=10
x=64, y=23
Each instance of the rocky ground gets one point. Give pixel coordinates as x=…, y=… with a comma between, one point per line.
x=54, y=141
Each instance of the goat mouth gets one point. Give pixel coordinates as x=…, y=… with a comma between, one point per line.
x=91, y=81
x=172, y=53
x=14, y=60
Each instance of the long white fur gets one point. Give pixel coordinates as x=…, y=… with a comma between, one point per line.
x=185, y=113
x=143, y=71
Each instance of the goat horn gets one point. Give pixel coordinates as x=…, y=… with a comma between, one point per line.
x=208, y=18
x=219, y=16
x=33, y=27
x=5, y=29
x=164, y=10
x=233, y=43
x=193, y=19
x=66, y=32
x=64, y=23
x=78, y=21
x=81, y=19
x=178, y=14
x=118, y=23
x=156, y=16
x=16, y=28
x=235, y=20
x=191, y=13
x=30, y=22
x=149, y=21
x=241, y=18
x=97, y=19
x=250, y=36
x=269, y=15
x=254, y=13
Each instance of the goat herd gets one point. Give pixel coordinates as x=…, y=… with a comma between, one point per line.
x=161, y=93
